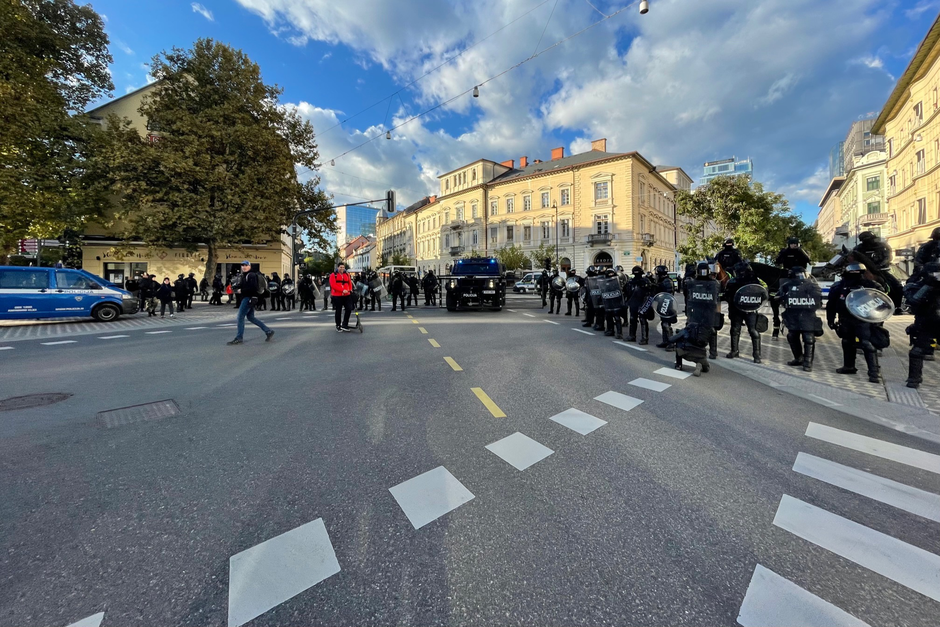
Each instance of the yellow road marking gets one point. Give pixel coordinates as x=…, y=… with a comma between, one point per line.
x=423, y=330
x=414, y=321
x=434, y=343
x=453, y=364
x=488, y=403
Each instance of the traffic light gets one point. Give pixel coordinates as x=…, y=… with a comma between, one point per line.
x=299, y=259
x=390, y=199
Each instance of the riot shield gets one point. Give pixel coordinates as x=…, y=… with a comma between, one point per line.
x=869, y=305
x=274, y=287
x=750, y=297
x=315, y=291
x=611, y=294
x=287, y=289
x=594, y=292
x=703, y=306
x=572, y=285
x=800, y=300
x=362, y=289
x=558, y=283
x=665, y=306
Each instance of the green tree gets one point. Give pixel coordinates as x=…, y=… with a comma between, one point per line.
x=400, y=259
x=223, y=172
x=53, y=61
x=540, y=254
x=512, y=257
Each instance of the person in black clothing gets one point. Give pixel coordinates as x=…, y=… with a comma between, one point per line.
x=217, y=289
x=414, y=289
x=543, y=287
x=375, y=296
x=165, y=294
x=879, y=253
x=192, y=285
x=589, y=312
x=743, y=275
x=204, y=289
x=664, y=285
x=277, y=299
x=929, y=251
x=687, y=279
x=790, y=257
x=574, y=297
x=180, y=288
x=801, y=298
x=288, y=294
x=250, y=287
x=729, y=256
x=924, y=300
x=132, y=285
x=703, y=314
x=398, y=289
x=429, y=283
x=148, y=294
x=849, y=327
x=640, y=289
x=557, y=291
x=305, y=291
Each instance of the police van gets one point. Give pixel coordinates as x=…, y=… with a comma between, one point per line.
x=31, y=293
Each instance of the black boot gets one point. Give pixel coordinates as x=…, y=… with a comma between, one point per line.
x=796, y=347
x=915, y=370
x=735, y=343
x=776, y=333
x=755, y=349
x=848, y=358
x=874, y=371
x=644, y=334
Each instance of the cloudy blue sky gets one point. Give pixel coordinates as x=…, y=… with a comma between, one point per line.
x=779, y=81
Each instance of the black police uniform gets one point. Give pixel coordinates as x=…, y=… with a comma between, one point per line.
x=429, y=283
x=398, y=289
x=181, y=292
x=924, y=300
x=849, y=327
x=614, y=316
x=729, y=257
x=664, y=285
x=555, y=294
x=589, y=310
x=543, y=286
x=574, y=297
x=744, y=275
x=640, y=289
x=801, y=298
x=289, y=298
x=929, y=251
x=192, y=286
x=879, y=253
x=703, y=316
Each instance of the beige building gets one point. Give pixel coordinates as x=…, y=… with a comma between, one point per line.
x=862, y=198
x=829, y=220
x=601, y=208
x=910, y=122
x=100, y=252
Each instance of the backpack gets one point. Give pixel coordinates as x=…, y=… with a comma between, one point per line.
x=262, y=284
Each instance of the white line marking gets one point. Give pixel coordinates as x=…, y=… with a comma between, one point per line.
x=673, y=373
x=878, y=448
x=530, y=315
x=195, y=328
x=222, y=326
x=771, y=601
x=6, y=348
x=583, y=331
x=156, y=332
x=577, y=420
x=512, y=310
x=89, y=621
x=902, y=496
x=111, y=337
x=649, y=384
x=826, y=400
x=430, y=495
x=901, y=562
x=550, y=322
x=272, y=572
x=283, y=318
x=618, y=400
x=519, y=451
x=57, y=343
x=628, y=345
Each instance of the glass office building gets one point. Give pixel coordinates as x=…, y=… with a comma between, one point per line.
x=837, y=161
x=726, y=167
x=351, y=222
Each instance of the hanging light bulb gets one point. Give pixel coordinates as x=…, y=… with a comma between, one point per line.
x=476, y=91
x=644, y=7
x=388, y=134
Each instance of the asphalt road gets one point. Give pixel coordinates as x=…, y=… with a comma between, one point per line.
x=658, y=517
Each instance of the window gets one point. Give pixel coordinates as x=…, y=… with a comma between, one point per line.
x=460, y=214
x=601, y=226
x=874, y=207
x=510, y=204
x=872, y=183
x=921, y=211
x=918, y=113
x=565, y=226
x=447, y=217
x=601, y=191
x=24, y=279
x=526, y=202
x=545, y=200
x=74, y=281
x=527, y=233
x=892, y=184
x=494, y=207
x=473, y=175
x=494, y=234
x=473, y=210
x=475, y=237
x=447, y=241
x=935, y=98
x=509, y=233
x=546, y=230
x=446, y=184
x=890, y=148
x=566, y=196
x=920, y=162
x=642, y=198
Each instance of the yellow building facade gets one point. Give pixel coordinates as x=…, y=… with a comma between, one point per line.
x=862, y=199
x=829, y=220
x=599, y=208
x=910, y=122
x=104, y=255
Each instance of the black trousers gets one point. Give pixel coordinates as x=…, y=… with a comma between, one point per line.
x=555, y=300
x=544, y=294
x=577, y=304
x=395, y=299
x=342, y=306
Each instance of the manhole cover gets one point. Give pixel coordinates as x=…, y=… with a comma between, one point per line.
x=137, y=413
x=32, y=400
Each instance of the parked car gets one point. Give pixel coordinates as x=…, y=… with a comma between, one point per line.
x=33, y=293
x=528, y=283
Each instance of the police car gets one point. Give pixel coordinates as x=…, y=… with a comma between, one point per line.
x=31, y=293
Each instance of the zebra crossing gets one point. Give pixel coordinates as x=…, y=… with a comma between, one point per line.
x=771, y=599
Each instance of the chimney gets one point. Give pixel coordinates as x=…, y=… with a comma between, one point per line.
x=509, y=163
x=537, y=161
x=432, y=199
x=558, y=153
x=600, y=145
x=523, y=162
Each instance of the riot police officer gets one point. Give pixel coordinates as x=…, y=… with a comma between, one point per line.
x=398, y=290
x=664, y=284
x=849, y=327
x=589, y=311
x=192, y=286
x=287, y=293
x=573, y=297
x=792, y=255
x=375, y=296
x=277, y=299
x=703, y=316
x=924, y=299
x=181, y=292
x=929, y=251
x=640, y=289
x=879, y=253
x=429, y=283
x=543, y=286
x=801, y=298
x=614, y=306
x=556, y=292
x=743, y=275
x=729, y=256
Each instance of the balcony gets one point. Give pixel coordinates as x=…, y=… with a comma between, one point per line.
x=600, y=238
x=874, y=218
x=456, y=250
x=456, y=224
x=647, y=239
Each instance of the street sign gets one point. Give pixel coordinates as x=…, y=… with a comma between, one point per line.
x=29, y=246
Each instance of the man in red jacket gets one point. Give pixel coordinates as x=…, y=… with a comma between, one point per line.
x=341, y=289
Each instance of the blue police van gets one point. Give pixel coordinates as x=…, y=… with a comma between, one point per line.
x=31, y=293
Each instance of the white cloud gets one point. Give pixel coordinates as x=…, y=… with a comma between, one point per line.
x=778, y=89
x=920, y=8
x=326, y=56
x=203, y=11
x=123, y=46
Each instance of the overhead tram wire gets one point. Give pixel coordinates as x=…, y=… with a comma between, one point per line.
x=492, y=78
x=436, y=68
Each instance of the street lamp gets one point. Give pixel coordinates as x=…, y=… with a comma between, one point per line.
x=557, y=262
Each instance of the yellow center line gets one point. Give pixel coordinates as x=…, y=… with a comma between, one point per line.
x=415, y=322
x=423, y=330
x=434, y=343
x=488, y=403
x=408, y=315
x=453, y=364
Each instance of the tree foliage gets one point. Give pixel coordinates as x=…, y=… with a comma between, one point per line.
x=760, y=221
x=512, y=257
x=223, y=171
x=53, y=61
x=541, y=253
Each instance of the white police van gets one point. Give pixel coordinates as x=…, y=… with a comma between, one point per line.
x=31, y=293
